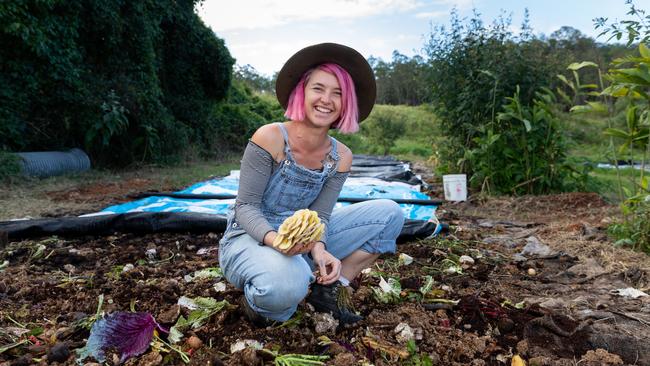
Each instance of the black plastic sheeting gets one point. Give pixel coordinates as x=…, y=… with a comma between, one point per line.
x=225, y=196
x=151, y=222
x=383, y=167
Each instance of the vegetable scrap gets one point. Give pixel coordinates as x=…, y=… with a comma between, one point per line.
x=129, y=334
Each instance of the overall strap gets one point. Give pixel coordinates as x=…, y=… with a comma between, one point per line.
x=334, y=152
x=287, y=149
x=333, y=159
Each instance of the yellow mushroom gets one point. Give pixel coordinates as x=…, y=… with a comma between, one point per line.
x=302, y=227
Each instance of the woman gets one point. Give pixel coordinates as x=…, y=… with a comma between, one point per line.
x=295, y=165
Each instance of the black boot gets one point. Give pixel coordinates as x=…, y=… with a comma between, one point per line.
x=252, y=315
x=334, y=299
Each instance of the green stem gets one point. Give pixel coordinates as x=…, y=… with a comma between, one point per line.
x=100, y=302
x=183, y=355
x=12, y=345
x=443, y=301
x=526, y=159
x=15, y=322
x=494, y=98
x=645, y=156
x=490, y=134
x=296, y=359
x=606, y=101
x=619, y=181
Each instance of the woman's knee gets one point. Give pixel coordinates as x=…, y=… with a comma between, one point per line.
x=392, y=212
x=279, y=290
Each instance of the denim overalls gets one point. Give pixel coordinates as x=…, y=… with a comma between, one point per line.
x=274, y=283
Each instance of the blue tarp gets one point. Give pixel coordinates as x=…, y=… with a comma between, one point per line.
x=353, y=188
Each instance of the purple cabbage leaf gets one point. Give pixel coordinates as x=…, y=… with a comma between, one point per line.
x=129, y=334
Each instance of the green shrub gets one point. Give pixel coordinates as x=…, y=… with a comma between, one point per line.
x=628, y=132
x=522, y=152
x=635, y=230
x=9, y=165
x=629, y=79
x=383, y=129
x=234, y=120
x=474, y=67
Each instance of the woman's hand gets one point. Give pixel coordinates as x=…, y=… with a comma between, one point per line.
x=299, y=248
x=329, y=267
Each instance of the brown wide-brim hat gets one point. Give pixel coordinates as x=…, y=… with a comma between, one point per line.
x=348, y=58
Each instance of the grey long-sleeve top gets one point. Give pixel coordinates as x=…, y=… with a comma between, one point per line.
x=257, y=165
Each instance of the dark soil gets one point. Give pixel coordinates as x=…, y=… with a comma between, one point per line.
x=553, y=309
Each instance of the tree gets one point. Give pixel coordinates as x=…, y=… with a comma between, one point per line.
x=474, y=67
x=402, y=81
x=253, y=79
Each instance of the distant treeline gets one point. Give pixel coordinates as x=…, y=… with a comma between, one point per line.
x=407, y=80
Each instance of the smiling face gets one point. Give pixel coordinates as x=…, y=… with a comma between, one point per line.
x=322, y=98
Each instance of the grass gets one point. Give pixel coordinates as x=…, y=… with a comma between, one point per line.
x=607, y=182
x=585, y=134
x=591, y=145
x=184, y=175
x=405, y=146
x=586, y=137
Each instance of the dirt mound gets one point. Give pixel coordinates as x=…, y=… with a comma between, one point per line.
x=101, y=192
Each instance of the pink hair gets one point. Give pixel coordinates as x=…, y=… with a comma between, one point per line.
x=349, y=120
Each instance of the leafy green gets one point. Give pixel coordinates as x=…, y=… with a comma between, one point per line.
x=203, y=309
x=417, y=359
x=388, y=292
x=176, y=331
x=427, y=286
x=210, y=272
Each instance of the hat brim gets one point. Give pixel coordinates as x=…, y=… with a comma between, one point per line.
x=348, y=58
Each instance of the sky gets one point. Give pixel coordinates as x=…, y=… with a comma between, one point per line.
x=265, y=33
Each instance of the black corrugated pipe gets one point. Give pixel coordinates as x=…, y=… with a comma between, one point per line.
x=50, y=163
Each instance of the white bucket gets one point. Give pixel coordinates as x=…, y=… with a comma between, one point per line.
x=455, y=187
